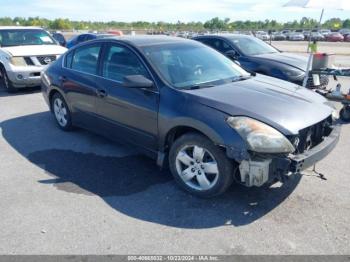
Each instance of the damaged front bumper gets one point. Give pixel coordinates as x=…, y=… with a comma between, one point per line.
x=261, y=169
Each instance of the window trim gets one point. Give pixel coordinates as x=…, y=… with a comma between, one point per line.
x=107, y=46
x=103, y=49
x=73, y=52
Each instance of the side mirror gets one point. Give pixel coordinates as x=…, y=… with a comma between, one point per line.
x=231, y=54
x=137, y=81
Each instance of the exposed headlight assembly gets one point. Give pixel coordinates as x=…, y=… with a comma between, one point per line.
x=18, y=61
x=260, y=137
x=335, y=115
x=293, y=72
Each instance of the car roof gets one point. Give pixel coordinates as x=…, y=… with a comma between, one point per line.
x=227, y=36
x=148, y=40
x=19, y=27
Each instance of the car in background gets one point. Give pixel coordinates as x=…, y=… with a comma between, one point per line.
x=325, y=32
x=347, y=38
x=257, y=56
x=306, y=34
x=262, y=35
x=344, y=31
x=85, y=37
x=335, y=37
x=115, y=32
x=315, y=36
x=24, y=52
x=286, y=31
x=278, y=36
x=59, y=38
x=192, y=109
x=296, y=36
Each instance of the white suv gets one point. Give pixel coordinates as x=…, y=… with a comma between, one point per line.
x=24, y=52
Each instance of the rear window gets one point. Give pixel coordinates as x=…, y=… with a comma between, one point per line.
x=84, y=59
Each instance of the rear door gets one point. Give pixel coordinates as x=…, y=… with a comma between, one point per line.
x=79, y=81
x=128, y=113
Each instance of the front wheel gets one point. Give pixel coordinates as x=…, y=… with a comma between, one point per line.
x=199, y=166
x=5, y=81
x=345, y=114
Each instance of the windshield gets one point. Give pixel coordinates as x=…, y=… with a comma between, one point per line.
x=252, y=46
x=188, y=65
x=17, y=37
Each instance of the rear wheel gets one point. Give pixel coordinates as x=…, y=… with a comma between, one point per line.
x=61, y=112
x=5, y=81
x=199, y=166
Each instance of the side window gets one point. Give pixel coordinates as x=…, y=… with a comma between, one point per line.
x=85, y=59
x=209, y=42
x=119, y=62
x=89, y=37
x=68, y=60
x=81, y=38
x=226, y=47
x=221, y=46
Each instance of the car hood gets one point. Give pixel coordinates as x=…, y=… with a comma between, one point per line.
x=297, y=61
x=35, y=50
x=283, y=105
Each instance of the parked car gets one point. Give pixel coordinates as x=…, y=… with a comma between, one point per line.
x=286, y=31
x=335, y=37
x=180, y=100
x=59, y=38
x=347, y=38
x=85, y=37
x=257, y=56
x=296, y=36
x=262, y=35
x=325, y=32
x=315, y=36
x=344, y=31
x=115, y=32
x=306, y=34
x=24, y=52
x=277, y=36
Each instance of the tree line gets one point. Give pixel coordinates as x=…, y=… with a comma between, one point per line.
x=212, y=24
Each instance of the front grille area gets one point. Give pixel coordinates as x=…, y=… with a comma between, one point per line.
x=312, y=136
x=45, y=60
x=324, y=80
x=28, y=60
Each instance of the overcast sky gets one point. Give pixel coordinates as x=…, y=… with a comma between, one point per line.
x=160, y=10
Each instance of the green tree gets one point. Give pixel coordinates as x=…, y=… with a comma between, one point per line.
x=60, y=24
x=346, y=23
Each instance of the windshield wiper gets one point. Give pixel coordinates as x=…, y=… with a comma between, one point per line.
x=240, y=78
x=198, y=86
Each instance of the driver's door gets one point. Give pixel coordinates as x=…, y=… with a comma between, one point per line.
x=126, y=112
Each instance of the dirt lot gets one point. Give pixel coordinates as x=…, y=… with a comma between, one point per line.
x=338, y=48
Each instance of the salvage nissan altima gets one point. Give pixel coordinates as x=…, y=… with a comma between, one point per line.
x=192, y=109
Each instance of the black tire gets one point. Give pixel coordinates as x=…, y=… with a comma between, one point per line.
x=345, y=114
x=224, y=166
x=66, y=123
x=5, y=81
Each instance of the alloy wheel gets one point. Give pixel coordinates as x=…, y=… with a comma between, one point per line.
x=60, y=111
x=197, y=167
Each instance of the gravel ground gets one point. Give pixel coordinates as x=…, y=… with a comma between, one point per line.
x=339, y=48
x=77, y=193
